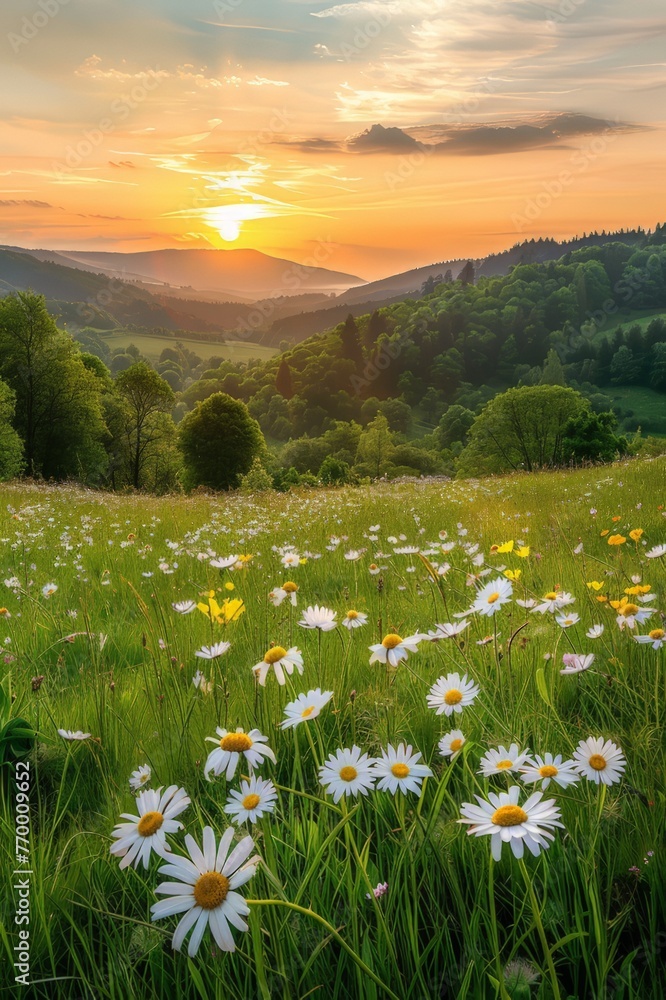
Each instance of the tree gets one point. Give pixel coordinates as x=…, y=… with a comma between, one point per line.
x=466, y=276
x=521, y=429
x=256, y=480
x=625, y=369
x=590, y=437
x=334, y=472
x=219, y=441
x=553, y=372
x=351, y=344
x=283, y=381
x=11, y=447
x=454, y=426
x=375, y=447
x=145, y=394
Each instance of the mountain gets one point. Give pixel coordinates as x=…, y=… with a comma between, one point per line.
x=247, y=273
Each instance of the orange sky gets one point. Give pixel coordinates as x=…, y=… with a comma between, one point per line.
x=132, y=126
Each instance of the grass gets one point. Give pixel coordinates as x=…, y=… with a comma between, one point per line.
x=575, y=921
x=637, y=406
x=152, y=347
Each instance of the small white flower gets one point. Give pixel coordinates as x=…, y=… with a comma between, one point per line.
x=142, y=834
x=565, y=621
x=505, y=821
x=502, y=760
x=451, y=744
x=140, y=777
x=400, y=769
x=212, y=652
x=553, y=602
x=452, y=693
x=290, y=560
x=446, y=631
x=392, y=649
x=491, y=597
x=200, y=682
x=656, y=552
x=347, y=772
x=305, y=707
x=48, y=589
x=68, y=734
x=354, y=554
x=224, y=563
x=354, y=619
x=599, y=761
x=595, y=632
x=549, y=768
x=576, y=663
x=318, y=617
x=230, y=748
x=256, y=798
x=280, y=659
x=184, y=607
x=656, y=637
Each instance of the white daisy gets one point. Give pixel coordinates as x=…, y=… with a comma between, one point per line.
x=140, y=777
x=201, y=683
x=291, y=559
x=354, y=554
x=305, y=707
x=502, y=760
x=147, y=831
x=400, y=769
x=230, y=747
x=354, y=619
x=184, y=607
x=451, y=744
x=224, y=562
x=392, y=649
x=576, y=663
x=506, y=822
x=318, y=617
x=491, y=597
x=549, y=768
x=48, y=589
x=255, y=799
x=212, y=652
x=631, y=615
x=527, y=603
x=205, y=890
x=600, y=761
x=565, y=621
x=656, y=552
x=553, y=601
x=446, y=631
x=656, y=637
x=347, y=772
x=277, y=596
x=280, y=659
x=452, y=693
x=595, y=632
x=68, y=734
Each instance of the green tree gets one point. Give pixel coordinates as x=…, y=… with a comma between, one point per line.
x=11, y=447
x=351, y=344
x=375, y=448
x=256, y=480
x=283, y=380
x=553, y=372
x=219, y=440
x=590, y=437
x=521, y=429
x=625, y=369
x=454, y=425
x=334, y=472
x=145, y=394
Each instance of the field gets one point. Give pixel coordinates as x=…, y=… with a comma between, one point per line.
x=381, y=894
x=152, y=347
x=647, y=408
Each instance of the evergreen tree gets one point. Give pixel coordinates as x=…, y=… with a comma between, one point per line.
x=283, y=382
x=351, y=344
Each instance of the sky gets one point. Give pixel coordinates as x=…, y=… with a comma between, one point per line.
x=368, y=137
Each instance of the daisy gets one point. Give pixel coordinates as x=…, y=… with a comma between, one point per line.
x=230, y=746
x=506, y=822
x=502, y=760
x=354, y=554
x=212, y=652
x=599, y=761
x=205, y=890
x=280, y=659
x=392, y=649
x=595, y=632
x=201, y=684
x=68, y=734
x=451, y=744
x=629, y=615
x=565, y=621
x=224, y=563
x=657, y=637
x=347, y=772
x=140, y=777
x=452, y=693
x=354, y=619
x=307, y=706
x=255, y=799
x=446, y=631
x=491, y=597
x=400, y=769
x=527, y=603
x=318, y=617
x=184, y=607
x=48, y=589
x=291, y=559
x=278, y=595
x=553, y=601
x=576, y=663
x=656, y=552
x=147, y=832
x=549, y=768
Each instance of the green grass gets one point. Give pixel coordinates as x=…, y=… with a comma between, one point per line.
x=647, y=408
x=451, y=921
x=627, y=318
x=152, y=347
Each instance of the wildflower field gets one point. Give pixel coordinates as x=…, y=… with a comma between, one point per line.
x=402, y=741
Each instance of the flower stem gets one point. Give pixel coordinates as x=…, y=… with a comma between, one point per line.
x=539, y=926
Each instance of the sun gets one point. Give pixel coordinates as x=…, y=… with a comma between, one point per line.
x=229, y=230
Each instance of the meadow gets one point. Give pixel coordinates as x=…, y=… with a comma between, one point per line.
x=153, y=345
x=378, y=892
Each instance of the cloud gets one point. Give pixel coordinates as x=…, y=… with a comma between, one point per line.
x=379, y=139
x=25, y=202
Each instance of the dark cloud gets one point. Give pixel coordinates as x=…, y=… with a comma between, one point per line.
x=30, y=202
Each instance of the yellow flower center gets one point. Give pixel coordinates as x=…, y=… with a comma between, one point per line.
x=290, y=587
x=211, y=890
x=550, y=596
x=399, y=770
x=150, y=823
x=352, y=615
x=509, y=816
x=547, y=771
x=504, y=765
x=3, y=611
x=307, y=712
x=453, y=696
x=391, y=641
x=493, y=597
x=236, y=742
x=372, y=566
x=629, y=609
x=348, y=773
x=251, y=801
x=657, y=633
x=275, y=654
x=597, y=762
